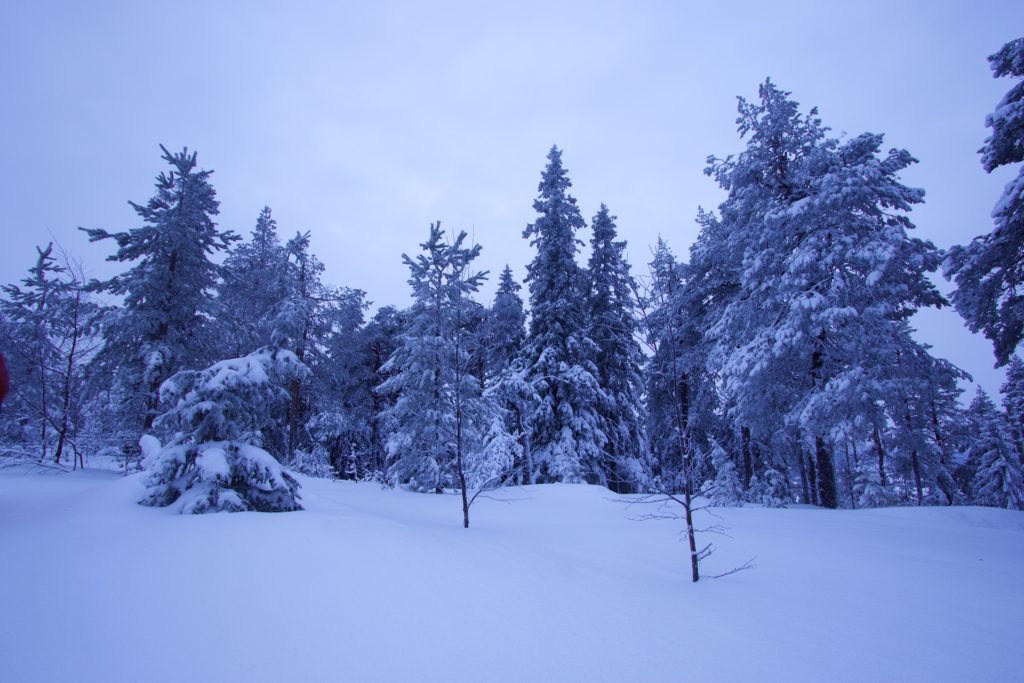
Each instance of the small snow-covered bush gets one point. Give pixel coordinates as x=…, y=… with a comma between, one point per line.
x=214, y=462
x=217, y=476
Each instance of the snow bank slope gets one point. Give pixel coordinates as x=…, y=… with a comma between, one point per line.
x=558, y=584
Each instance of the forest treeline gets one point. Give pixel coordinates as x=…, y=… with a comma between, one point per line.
x=775, y=363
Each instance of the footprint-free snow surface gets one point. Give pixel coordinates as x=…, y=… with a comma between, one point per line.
x=551, y=583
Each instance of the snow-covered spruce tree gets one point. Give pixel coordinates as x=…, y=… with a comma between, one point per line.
x=566, y=438
x=504, y=339
x=998, y=474
x=251, y=288
x=1012, y=392
x=611, y=325
x=48, y=335
x=445, y=434
x=505, y=328
x=214, y=461
x=379, y=339
x=828, y=267
x=989, y=272
x=163, y=324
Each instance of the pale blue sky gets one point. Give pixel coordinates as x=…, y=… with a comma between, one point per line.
x=365, y=123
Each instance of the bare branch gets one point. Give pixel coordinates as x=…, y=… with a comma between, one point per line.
x=749, y=564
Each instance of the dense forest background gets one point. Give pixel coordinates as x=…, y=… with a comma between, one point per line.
x=773, y=363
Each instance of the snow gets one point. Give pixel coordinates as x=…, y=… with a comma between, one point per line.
x=553, y=582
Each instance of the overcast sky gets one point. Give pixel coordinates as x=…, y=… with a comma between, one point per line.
x=363, y=122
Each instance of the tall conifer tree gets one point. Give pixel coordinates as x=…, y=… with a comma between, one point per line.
x=828, y=269
x=612, y=324
x=566, y=438
x=164, y=323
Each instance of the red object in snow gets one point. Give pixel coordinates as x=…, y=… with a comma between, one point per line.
x=5, y=380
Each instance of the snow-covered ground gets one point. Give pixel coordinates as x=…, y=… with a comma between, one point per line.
x=557, y=583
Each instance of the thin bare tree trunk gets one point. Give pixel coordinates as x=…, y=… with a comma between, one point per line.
x=803, y=474
x=68, y=379
x=877, y=438
x=690, y=534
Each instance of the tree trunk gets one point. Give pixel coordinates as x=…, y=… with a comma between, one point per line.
x=294, y=406
x=915, y=465
x=377, y=405
x=690, y=534
x=826, y=475
x=825, y=468
x=152, y=403
x=880, y=450
x=944, y=480
x=43, y=407
x=747, y=462
x=68, y=379
x=915, y=461
x=458, y=465
x=812, y=476
x=806, y=496
x=851, y=464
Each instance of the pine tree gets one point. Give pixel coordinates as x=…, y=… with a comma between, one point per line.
x=611, y=326
x=998, y=474
x=163, y=325
x=566, y=439
x=828, y=269
x=989, y=272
